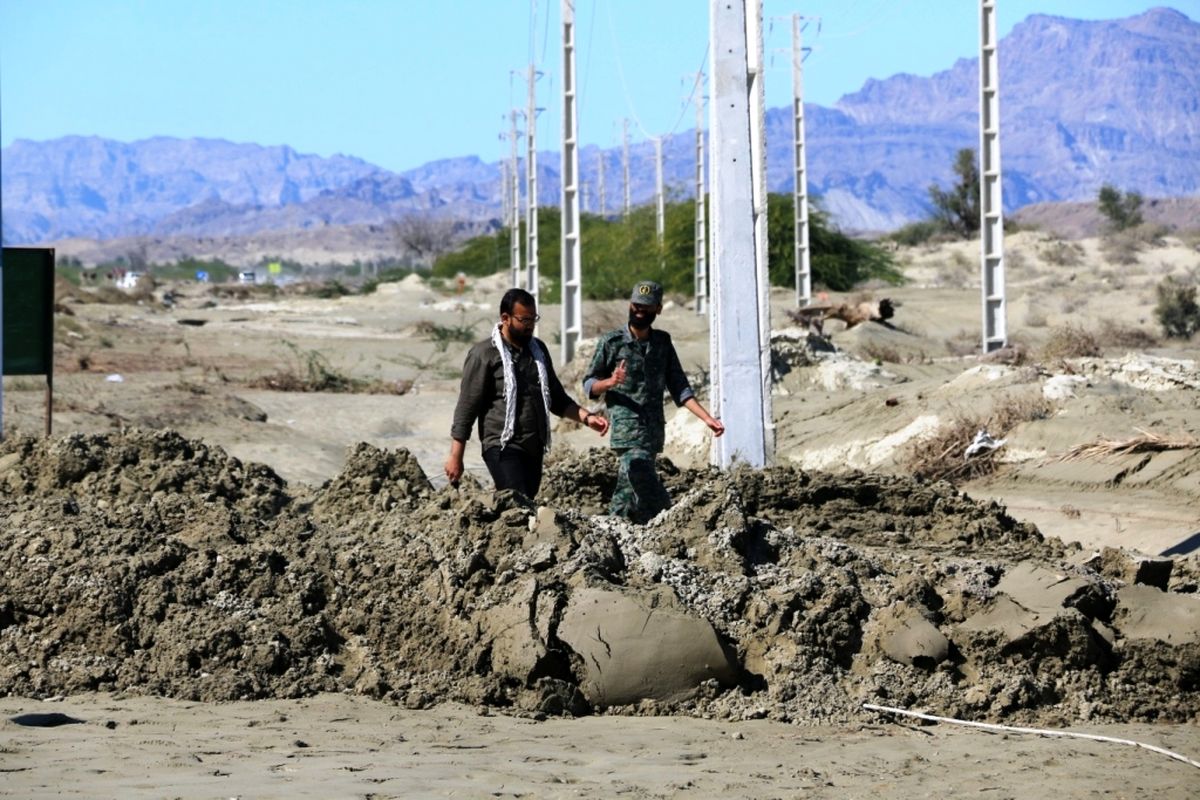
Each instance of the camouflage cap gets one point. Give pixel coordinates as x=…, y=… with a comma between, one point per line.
x=647, y=293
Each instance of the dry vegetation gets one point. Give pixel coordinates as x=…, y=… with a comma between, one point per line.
x=310, y=371
x=941, y=456
x=1144, y=442
x=1070, y=341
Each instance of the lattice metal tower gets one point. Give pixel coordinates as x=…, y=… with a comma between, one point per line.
x=572, y=281
x=991, y=228
x=531, y=191
x=800, y=175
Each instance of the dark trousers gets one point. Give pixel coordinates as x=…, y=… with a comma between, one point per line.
x=515, y=469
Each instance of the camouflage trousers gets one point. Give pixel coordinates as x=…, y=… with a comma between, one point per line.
x=639, y=494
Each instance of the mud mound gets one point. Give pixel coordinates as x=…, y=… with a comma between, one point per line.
x=147, y=562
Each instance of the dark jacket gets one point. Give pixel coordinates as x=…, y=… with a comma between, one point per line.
x=481, y=398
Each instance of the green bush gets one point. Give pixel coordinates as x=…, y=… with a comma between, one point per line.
x=1176, y=309
x=618, y=252
x=915, y=233
x=1122, y=210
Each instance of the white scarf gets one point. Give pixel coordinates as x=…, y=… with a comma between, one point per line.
x=510, y=385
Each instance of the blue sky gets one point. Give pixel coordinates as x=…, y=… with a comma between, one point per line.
x=402, y=82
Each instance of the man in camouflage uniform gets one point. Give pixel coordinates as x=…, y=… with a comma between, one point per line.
x=632, y=368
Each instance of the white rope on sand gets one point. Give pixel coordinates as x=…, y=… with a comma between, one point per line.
x=1038, y=731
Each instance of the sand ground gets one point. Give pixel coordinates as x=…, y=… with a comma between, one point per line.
x=339, y=746
x=186, y=367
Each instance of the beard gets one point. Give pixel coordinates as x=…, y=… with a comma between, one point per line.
x=522, y=337
x=641, y=320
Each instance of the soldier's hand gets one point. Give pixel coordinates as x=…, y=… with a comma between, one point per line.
x=618, y=376
x=716, y=426
x=598, y=423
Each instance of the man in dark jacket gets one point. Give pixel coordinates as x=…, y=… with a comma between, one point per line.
x=632, y=367
x=509, y=390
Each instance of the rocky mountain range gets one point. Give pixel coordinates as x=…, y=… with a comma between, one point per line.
x=1082, y=103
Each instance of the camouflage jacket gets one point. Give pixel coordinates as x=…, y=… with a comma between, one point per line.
x=635, y=408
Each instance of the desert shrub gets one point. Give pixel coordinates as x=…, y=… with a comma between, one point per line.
x=941, y=456
x=1061, y=254
x=310, y=371
x=445, y=335
x=951, y=278
x=1126, y=337
x=1121, y=248
x=1035, y=317
x=957, y=209
x=1176, y=309
x=880, y=353
x=1121, y=209
x=326, y=290
x=243, y=291
x=914, y=233
x=963, y=343
x=1070, y=341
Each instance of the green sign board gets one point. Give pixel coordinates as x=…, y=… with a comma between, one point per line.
x=28, y=310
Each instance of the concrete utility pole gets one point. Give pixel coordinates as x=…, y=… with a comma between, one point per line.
x=800, y=176
x=531, y=192
x=701, y=235
x=991, y=207
x=735, y=333
x=756, y=67
x=514, y=220
x=572, y=281
x=659, y=208
x=625, y=163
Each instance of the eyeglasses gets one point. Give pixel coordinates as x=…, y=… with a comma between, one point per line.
x=527, y=321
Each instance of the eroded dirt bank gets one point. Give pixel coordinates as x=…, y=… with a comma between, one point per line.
x=150, y=563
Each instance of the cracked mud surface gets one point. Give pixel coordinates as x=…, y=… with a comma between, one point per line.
x=149, y=563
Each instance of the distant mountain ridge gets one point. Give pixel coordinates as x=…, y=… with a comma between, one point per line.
x=1082, y=103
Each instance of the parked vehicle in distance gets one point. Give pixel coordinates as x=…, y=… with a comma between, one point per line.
x=247, y=277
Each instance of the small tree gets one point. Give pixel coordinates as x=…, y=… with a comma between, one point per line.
x=957, y=210
x=1122, y=210
x=1176, y=309
x=423, y=236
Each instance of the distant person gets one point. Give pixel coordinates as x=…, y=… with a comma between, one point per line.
x=632, y=367
x=509, y=390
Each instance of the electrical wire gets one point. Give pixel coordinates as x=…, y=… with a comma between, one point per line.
x=1038, y=731
x=625, y=86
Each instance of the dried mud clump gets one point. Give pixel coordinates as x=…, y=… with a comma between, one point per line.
x=147, y=562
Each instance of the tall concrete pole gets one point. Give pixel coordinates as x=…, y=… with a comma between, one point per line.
x=531, y=191
x=800, y=176
x=756, y=67
x=701, y=234
x=514, y=221
x=572, y=281
x=659, y=203
x=735, y=333
x=991, y=206
x=625, y=163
